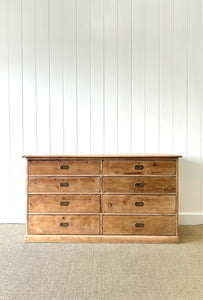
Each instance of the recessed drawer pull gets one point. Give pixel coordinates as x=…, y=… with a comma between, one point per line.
x=138, y=184
x=139, y=167
x=139, y=224
x=62, y=224
x=64, y=167
x=64, y=203
x=64, y=184
x=139, y=203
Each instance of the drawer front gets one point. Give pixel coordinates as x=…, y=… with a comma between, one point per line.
x=139, y=225
x=63, y=203
x=63, y=184
x=83, y=167
x=139, y=185
x=63, y=224
x=131, y=167
x=139, y=204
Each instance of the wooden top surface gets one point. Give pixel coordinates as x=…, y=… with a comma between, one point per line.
x=86, y=156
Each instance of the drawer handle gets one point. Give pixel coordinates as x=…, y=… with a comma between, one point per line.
x=64, y=203
x=139, y=167
x=139, y=224
x=138, y=184
x=62, y=224
x=139, y=203
x=64, y=167
x=64, y=184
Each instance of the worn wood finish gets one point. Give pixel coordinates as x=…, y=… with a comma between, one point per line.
x=126, y=185
x=147, y=204
x=75, y=184
x=143, y=167
x=138, y=239
x=152, y=225
x=63, y=203
x=65, y=167
x=50, y=224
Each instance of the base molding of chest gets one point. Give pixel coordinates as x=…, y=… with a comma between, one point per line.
x=150, y=239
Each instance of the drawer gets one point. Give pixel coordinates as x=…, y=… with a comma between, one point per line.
x=146, y=167
x=63, y=184
x=139, y=225
x=64, y=203
x=63, y=224
x=65, y=167
x=139, y=204
x=139, y=185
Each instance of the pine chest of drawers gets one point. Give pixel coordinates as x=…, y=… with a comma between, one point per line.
x=111, y=198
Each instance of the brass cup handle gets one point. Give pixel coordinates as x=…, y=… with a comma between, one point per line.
x=64, y=184
x=138, y=184
x=64, y=224
x=64, y=167
x=139, y=224
x=139, y=203
x=64, y=203
x=139, y=167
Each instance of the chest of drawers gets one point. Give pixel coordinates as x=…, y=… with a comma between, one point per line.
x=109, y=198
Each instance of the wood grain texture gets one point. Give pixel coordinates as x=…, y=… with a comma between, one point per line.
x=107, y=156
x=75, y=184
x=114, y=167
x=63, y=204
x=46, y=224
x=152, y=225
x=163, y=185
x=139, y=204
x=143, y=239
x=73, y=167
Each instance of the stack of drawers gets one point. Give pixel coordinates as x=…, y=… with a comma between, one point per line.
x=102, y=198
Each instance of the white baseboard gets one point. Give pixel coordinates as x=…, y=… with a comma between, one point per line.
x=190, y=218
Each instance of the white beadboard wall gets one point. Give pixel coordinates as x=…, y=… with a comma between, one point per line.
x=101, y=76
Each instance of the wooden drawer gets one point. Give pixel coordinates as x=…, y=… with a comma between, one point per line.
x=65, y=167
x=132, y=167
x=139, y=185
x=64, y=184
x=63, y=224
x=63, y=203
x=139, y=225
x=139, y=204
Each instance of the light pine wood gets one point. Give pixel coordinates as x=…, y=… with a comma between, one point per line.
x=152, y=225
x=64, y=203
x=50, y=224
x=139, y=204
x=75, y=184
x=72, y=167
x=96, y=207
x=138, y=239
x=132, y=167
x=164, y=185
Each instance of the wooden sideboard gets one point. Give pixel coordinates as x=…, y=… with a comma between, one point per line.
x=106, y=198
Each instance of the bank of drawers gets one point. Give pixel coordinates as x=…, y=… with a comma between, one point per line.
x=102, y=196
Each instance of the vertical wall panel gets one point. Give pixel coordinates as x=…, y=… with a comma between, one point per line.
x=96, y=80
x=56, y=86
x=194, y=103
x=152, y=75
x=4, y=113
x=83, y=75
x=29, y=83
x=42, y=76
x=69, y=76
x=110, y=76
x=124, y=76
x=180, y=94
x=138, y=75
x=166, y=77
x=17, y=213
